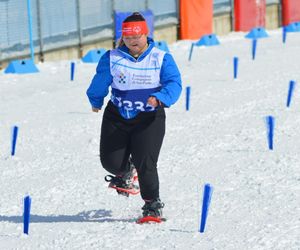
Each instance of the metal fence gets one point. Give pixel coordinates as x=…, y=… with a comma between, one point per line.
x=59, y=24
x=63, y=23
x=273, y=1
x=227, y=6
x=222, y=6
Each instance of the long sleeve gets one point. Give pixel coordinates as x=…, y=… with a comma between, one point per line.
x=171, y=82
x=99, y=86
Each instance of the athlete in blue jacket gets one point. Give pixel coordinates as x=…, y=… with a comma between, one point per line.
x=143, y=80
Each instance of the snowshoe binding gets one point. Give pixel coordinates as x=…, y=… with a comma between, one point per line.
x=152, y=212
x=126, y=184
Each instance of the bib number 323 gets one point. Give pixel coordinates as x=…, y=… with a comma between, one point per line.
x=137, y=105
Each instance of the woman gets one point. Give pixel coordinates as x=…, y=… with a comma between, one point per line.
x=143, y=81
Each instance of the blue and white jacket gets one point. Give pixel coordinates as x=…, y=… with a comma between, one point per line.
x=133, y=81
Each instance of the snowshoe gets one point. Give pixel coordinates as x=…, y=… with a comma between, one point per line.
x=152, y=212
x=150, y=219
x=126, y=184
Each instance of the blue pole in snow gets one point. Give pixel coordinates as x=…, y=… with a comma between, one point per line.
x=206, y=202
x=290, y=93
x=270, y=125
x=284, y=34
x=191, y=51
x=15, y=130
x=30, y=29
x=187, y=103
x=235, y=66
x=26, y=215
x=254, y=44
x=72, y=70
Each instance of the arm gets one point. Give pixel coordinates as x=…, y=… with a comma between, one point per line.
x=98, y=88
x=171, y=82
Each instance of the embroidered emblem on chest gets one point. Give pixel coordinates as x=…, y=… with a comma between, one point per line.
x=122, y=78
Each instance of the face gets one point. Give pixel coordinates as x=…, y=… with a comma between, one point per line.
x=136, y=44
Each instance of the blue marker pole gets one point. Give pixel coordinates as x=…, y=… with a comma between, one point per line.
x=235, y=66
x=30, y=29
x=72, y=70
x=270, y=125
x=26, y=215
x=15, y=130
x=284, y=34
x=254, y=44
x=191, y=51
x=206, y=202
x=290, y=93
x=187, y=103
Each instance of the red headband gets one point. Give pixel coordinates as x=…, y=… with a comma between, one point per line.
x=134, y=28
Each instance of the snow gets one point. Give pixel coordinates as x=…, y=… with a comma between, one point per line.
x=221, y=141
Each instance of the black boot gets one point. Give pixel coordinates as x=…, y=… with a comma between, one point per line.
x=125, y=181
x=153, y=208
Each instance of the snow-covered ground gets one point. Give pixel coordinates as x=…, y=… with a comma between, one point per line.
x=222, y=141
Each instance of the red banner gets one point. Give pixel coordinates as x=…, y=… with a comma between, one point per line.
x=290, y=11
x=196, y=18
x=249, y=14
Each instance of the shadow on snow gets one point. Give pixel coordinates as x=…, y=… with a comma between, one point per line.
x=101, y=216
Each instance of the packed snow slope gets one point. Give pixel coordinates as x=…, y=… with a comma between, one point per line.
x=222, y=141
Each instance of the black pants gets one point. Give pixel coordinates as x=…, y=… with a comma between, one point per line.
x=140, y=137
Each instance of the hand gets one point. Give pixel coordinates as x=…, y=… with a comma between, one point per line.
x=95, y=109
x=153, y=101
